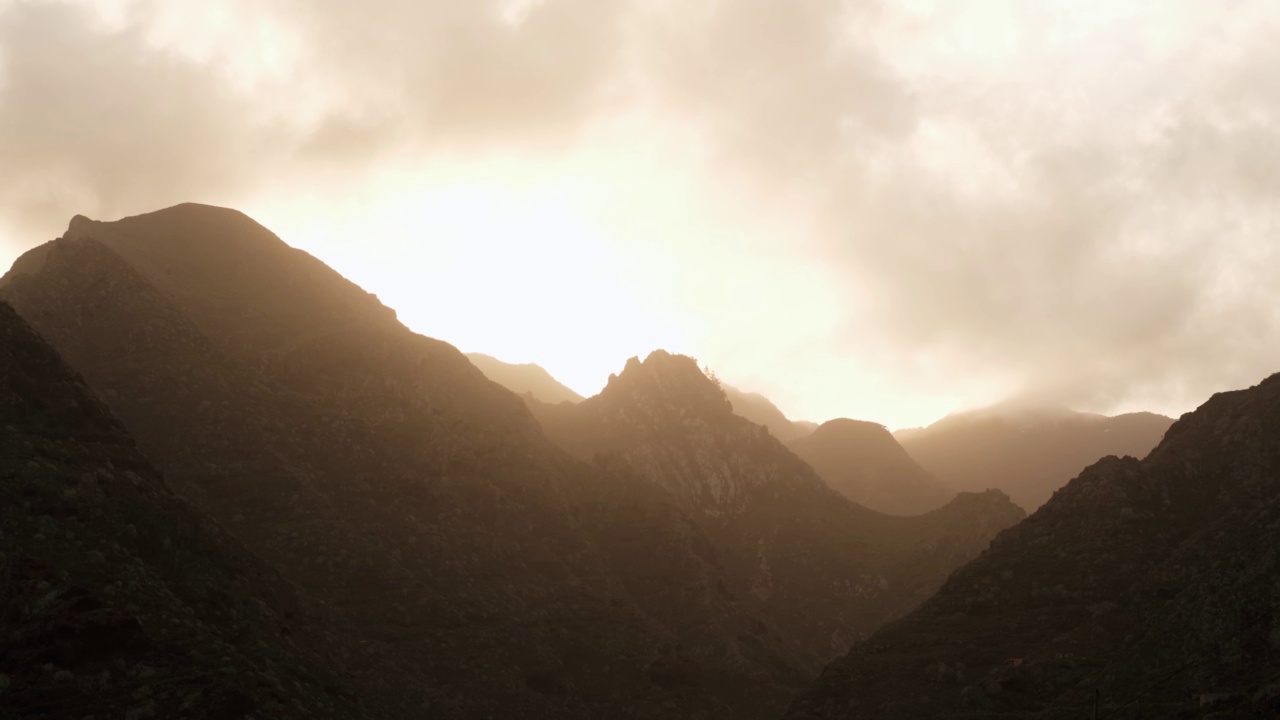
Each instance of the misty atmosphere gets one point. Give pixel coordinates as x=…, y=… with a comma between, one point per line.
x=706, y=360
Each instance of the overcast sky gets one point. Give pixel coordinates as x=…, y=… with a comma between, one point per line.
x=885, y=210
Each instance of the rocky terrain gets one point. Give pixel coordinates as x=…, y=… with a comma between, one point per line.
x=862, y=461
x=453, y=560
x=1148, y=587
x=1027, y=452
x=825, y=570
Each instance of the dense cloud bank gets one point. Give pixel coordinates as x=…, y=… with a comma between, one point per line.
x=1071, y=201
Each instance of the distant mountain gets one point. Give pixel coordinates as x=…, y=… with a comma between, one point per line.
x=823, y=570
x=759, y=410
x=525, y=378
x=862, y=461
x=1146, y=586
x=1027, y=452
x=117, y=599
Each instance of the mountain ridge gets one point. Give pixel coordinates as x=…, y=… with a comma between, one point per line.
x=1028, y=452
x=1171, y=561
x=864, y=462
x=764, y=508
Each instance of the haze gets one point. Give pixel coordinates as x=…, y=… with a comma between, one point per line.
x=886, y=211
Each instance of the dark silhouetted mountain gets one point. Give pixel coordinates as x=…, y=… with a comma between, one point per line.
x=862, y=461
x=1152, y=583
x=824, y=570
x=461, y=564
x=1026, y=452
x=117, y=599
x=759, y=410
x=525, y=378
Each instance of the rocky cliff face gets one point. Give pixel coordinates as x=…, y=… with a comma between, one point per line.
x=825, y=570
x=1150, y=583
x=1027, y=452
x=863, y=462
x=117, y=598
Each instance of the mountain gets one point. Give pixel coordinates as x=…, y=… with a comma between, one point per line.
x=1027, y=452
x=759, y=410
x=459, y=563
x=1146, y=586
x=116, y=597
x=414, y=504
x=862, y=461
x=822, y=569
x=525, y=378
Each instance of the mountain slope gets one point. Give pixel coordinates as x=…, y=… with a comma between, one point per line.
x=464, y=565
x=824, y=570
x=1151, y=583
x=115, y=596
x=863, y=462
x=524, y=378
x=759, y=410
x=1028, y=453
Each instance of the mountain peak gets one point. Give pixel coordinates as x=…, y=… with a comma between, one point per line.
x=670, y=381
x=845, y=426
x=862, y=461
x=191, y=224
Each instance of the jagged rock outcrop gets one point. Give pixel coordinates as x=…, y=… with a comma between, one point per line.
x=1148, y=584
x=824, y=570
x=862, y=461
x=1028, y=452
x=117, y=599
x=525, y=378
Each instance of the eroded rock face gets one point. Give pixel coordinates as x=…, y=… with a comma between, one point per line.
x=1144, y=579
x=824, y=570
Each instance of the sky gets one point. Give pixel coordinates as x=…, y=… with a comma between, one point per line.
x=883, y=210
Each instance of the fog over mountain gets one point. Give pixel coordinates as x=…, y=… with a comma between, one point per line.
x=884, y=210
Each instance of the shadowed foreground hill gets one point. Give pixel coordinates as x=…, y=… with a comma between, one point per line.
x=862, y=461
x=524, y=378
x=1152, y=583
x=825, y=570
x=1028, y=453
x=116, y=597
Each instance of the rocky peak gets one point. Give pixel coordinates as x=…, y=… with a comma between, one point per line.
x=666, y=387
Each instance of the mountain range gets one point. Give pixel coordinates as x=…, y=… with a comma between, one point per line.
x=233, y=485
x=446, y=558
x=1028, y=452
x=1144, y=588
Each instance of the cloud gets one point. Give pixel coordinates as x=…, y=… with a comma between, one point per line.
x=1073, y=201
